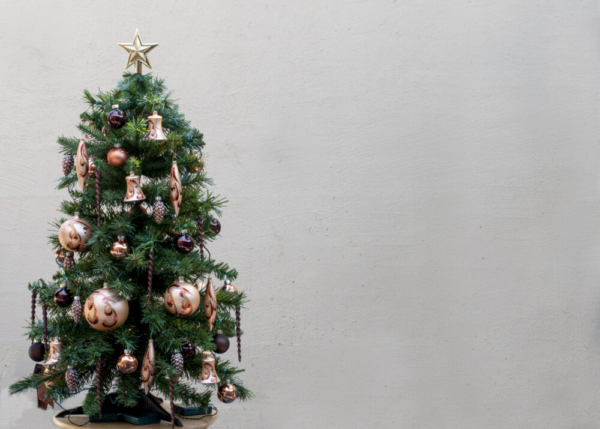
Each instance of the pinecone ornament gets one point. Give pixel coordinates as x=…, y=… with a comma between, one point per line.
x=72, y=379
x=69, y=263
x=77, y=309
x=177, y=362
x=159, y=210
x=67, y=164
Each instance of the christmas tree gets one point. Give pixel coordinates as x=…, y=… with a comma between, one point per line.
x=123, y=315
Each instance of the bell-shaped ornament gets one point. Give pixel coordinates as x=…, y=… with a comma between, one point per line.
x=175, y=188
x=155, y=131
x=209, y=370
x=134, y=190
x=54, y=354
x=81, y=164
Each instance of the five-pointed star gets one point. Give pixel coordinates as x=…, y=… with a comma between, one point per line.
x=137, y=52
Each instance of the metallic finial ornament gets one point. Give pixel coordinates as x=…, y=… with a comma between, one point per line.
x=137, y=52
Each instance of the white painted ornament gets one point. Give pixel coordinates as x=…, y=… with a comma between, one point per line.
x=74, y=234
x=148, y=366
x=54, y=353
x=106, y=310
x=81, y=164
x=209, y=370
x=182, y=298
x=175, y=189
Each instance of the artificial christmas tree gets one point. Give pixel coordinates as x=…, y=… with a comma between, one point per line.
x=128, y=260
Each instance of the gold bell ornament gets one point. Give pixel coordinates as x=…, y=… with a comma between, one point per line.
x=54, y=354
x=209, y=370
x=74, y=234
x=134, y=190
x=119, y=248
x=155, y=131
x=210, y=304
x=175, y=189
x=182, y=298
x=105, y=309
x=81, y=164
x=148, y=365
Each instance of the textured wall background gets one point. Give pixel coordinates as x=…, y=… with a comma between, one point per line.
x=414, y=196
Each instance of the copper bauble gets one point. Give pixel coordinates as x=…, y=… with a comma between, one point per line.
x=117, y=157
x=222, y=343
x=155, y=131
x=227, y=393
x=74, y=234
x=119, y=248
x=229, y=288
x=37, y=351
x=184, y=243
x=105, y=309
x=215, y=226
x=182, y=298
x=116, y=117
x=134, y=189
x=62, y=297
x=127, y=363
x=188, y=351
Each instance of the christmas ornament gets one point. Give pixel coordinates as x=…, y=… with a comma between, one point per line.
x=134, y=190
x=116, y=117
x=155, y=131
x=117, y=157
x=67, y=164
x=74, y=234
x=159, y=210
x=62, y=297
x=47, y=371
x=222, y=342
x=184, y=243
x=150, y=273
x=138, y=52
x=119, y=248
x=37, y=351
x=199, y=222
x=105, y=309
x=215, y=226
x=175, y=188
x=98, y=191
x=188, y=351
x=238, y=319
x=77, y=309
x=99, y=388
x=182, y=298
x=54, y=354
x=210, y=304
x=177, y=362
x=127, y=363
x=148, y=365
x=92, y=167
x=68, y=262
x=146, y=208
x=105, y=131
x=199, y=165
x=59, y=255
x=72, y=379
x=209, y=370
x=81, y=164
x=227, y=393
x=229, y=288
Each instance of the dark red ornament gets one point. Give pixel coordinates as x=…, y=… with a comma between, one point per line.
x=222, y=343
x=215, y=226
x=63, y=298
x=188, y=351
x=36, y=352
x=184, y=243
x=116, y=117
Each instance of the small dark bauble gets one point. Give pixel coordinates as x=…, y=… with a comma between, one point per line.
x=188, y=351
x=63, y=298
x=222, y=343
x=36, y=352
x=184, y=243
x=215, y=226
x=116, y=117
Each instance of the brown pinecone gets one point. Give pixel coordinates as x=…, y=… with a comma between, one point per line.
x=67, y=164
x=77, y=309
x=69, y=263
x=177, y=362
x=159, y=210
x=72, y=379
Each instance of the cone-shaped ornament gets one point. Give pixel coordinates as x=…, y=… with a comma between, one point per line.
x=210, y=304
x=81, y=164
x=134, y=190
x=155, y=131
x=148, y=365
x=175, y=188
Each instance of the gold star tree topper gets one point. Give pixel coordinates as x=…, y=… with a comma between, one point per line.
x=137, y=52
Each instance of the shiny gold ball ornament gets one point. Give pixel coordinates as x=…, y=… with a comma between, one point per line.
x=105, y=309
x=117, y=157
x=74, y=234
x=227, y=393
x=182, y=298
x=229, y=288
x=155, y=131
x=134, y=189
x=119, y=248
x=127, y=363
x=138, y=52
